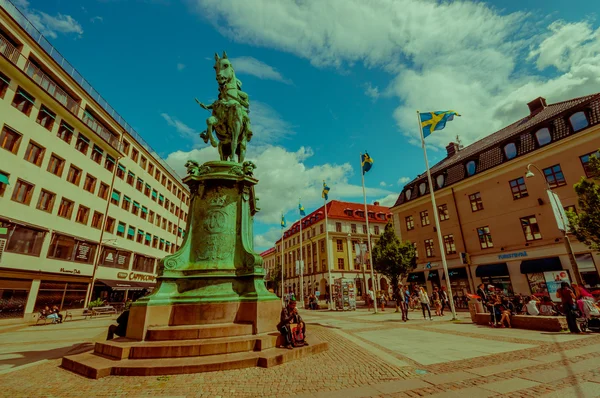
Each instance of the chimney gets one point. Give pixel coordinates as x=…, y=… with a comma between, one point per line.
x=452, y=148
x=537, y=105
x=375, y=203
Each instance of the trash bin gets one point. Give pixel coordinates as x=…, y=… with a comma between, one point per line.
x=475, y=306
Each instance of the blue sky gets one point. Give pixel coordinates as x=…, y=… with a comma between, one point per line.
x=326, y=79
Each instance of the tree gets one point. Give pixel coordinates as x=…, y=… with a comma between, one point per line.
x=393, y=258
x=275, y=278
x=585, y=225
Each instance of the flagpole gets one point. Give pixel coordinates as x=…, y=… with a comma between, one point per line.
x=301, y=277
x=329, y=277
x=437, y=222
x=368, y=236
x=282, y=290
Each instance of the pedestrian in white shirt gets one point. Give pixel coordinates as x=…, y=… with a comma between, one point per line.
x=425, y=304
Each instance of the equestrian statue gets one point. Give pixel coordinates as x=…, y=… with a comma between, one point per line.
x=229, y=119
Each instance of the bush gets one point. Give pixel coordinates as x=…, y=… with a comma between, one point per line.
x=95, y=303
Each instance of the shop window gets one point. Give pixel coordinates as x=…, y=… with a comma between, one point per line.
x=13, y=295
x=579, y=121
x=115, y=258
x=531, y=229
x=109, y=163
x=23, y=101
x=449, y=244
x=65, y=132
x=110, y=225
x=476, y=202
x=130, y=178
x=10, y=139
x=554, y=176
x=64, y=295
x=429, y=248
x=82, y=144
x=34, y=153
x=143, y=263
x=74, y=176
x=502, y=284
x=410, y=223
x=135, y=154
x=126, y=147
x=46, y=201
x=510, y=151
x=97, y=220
x=585, y=162
x=23, y=192
x=339, y=245
x=65, y=209
x=4, y=83
x=56, y=165
x=543, y=136
x=518, y=188
x=46, y=118
x=443, y=212
x=424, y=218
x=68, y=248
x=121, y=229
x=83, y=213
x=121, y=171
x=340, y=263
x=485, y=237
x=23, y=239
x=103, y=191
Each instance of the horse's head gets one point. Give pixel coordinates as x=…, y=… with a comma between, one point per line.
x=224, y=69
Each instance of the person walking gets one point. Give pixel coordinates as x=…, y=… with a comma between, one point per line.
x=370, y=299
x=425, y=303
x=445, y=299
x=405, y=303
x=567, y=297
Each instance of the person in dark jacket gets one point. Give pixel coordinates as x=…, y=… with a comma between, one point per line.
x=120, y=329
x=289, y=315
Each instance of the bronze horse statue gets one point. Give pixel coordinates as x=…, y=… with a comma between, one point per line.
x=229, y=119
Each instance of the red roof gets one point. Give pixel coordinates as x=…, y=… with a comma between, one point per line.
x=267, y=252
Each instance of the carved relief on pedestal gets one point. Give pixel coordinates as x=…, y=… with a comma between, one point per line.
x=216, y=232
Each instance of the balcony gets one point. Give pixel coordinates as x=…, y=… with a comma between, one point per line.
x=8, y=50
x=102, y=131
x=50, y=87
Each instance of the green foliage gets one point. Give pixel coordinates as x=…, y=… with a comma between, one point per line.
x=96, y=303
x=393, y=258
x=275, y=278
x=586, y=224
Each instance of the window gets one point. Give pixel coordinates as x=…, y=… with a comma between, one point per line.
x=338, y=227
x=364, y=229
x=115, y=258
x=34, y=153
x=66, y=208
x=440, y=180
x=154, y=194
x=23, y=101
x=136, y=208
x=376, y=229
x=554, y=176
x=110, y=225
x=424, y=218
x=130, y=232
x=510, y=151
x=115, y=198
x=485, y=238
x=531, y=229
x=97, y=220
x=471, y=167
x=109, y=163
x=130, y=178
x=150, y=168
x=97, y=154
x=585, y=162
x=126, y=147
x=422, y=188
x=578, y=121
x=65, y=132
x=134, y=155
x=450, y=245
x=353, y=228
x=3, y=182
x=139, y=184
x=429, y=248
x=46, y=201
x=155, y=241
x=147, y=190
x=169, y=185
x=46, y=118
x=71, y=249
x=340, y=263
x=543, y=136
x=150, y=216
x=121, y=229
x=103, y=191
x=126, y=204
x=56, y=165
x=476, y=202
x=140, y=236
x=74, y=175
x=144, y=213
x=10, y=139
x=164, y=180
x=158, y=219
x=443, y=212
x=143, y=264
x=83, y=214
x=340, y=245
x=90, y=183
x=22, y=239
x=143, y=162
x=82, y=144
x=161, y=199
x=4, y=83
x=22, y=192
x=416, y=251
x=157, y=175
x=410, y=223
x=121, y=171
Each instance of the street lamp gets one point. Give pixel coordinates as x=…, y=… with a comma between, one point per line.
x=559, y=214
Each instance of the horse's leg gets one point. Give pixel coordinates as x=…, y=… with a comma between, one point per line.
x=210, y=123
x=235, y=136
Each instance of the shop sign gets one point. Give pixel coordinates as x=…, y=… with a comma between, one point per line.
x=512, y=255
x=122, y=275
x=71, y=271
x=83, y=252
x=134, y=276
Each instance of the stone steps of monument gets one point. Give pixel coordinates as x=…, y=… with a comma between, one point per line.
x=96, y=366
x=187, y=332
x=123, y=348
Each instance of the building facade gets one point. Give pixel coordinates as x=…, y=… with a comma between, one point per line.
x=498, y=224
x=347, y=228
x=270, y=264
x=82, y=196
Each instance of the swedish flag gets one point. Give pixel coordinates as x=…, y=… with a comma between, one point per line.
x=433, y=121
x=366, y=162
x=282, y=221
x=301, y=208
x=325, y=193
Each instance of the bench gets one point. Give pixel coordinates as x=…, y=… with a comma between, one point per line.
x=106, y=310
x=530, y=322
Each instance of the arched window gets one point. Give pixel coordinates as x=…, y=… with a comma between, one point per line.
x=422, y=188
x=510, y=150
x=440, y=180
x=471, y=167
x=408, y=194
x=543, y=136
x=579, y=121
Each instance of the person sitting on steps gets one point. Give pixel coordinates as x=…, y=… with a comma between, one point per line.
x=120, y=329
x=290, y=315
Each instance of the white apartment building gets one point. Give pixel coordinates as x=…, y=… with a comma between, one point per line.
x=79, y=187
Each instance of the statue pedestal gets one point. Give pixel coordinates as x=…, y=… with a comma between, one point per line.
x=210, y=298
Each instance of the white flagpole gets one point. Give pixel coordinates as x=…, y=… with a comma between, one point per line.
x=329, y=277
x=282, y=268
x=301, y=277
x=437, y=222
x=368, y=237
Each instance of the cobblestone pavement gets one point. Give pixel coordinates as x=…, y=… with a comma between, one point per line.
x=358, y=364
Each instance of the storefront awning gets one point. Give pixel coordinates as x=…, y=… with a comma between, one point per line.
x=541, y=265
x=416, y=277
x=500, y=269
x=456, y=273
x=126, y=285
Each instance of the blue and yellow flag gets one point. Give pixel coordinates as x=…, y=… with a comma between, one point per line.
x=282, y=221
x=301, y=208
x=433, y=121
x=325, y=193
x=366, y=162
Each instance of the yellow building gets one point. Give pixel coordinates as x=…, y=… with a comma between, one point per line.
x=78, y=186
x=269, y=263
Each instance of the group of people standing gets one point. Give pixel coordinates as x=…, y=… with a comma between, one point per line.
x=439, y=299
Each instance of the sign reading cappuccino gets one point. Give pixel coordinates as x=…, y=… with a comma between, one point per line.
x=134, y=276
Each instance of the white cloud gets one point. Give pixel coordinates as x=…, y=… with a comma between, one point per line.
x=97, y=18
x=403, y=180
x=49, y=25
x=388, y=200
x=371, y=91
x=267, y=240
x=382, y=184
x=183, y=129
x=465, y=56
x=267, y=125
x=254, y=67
x=180, y=66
